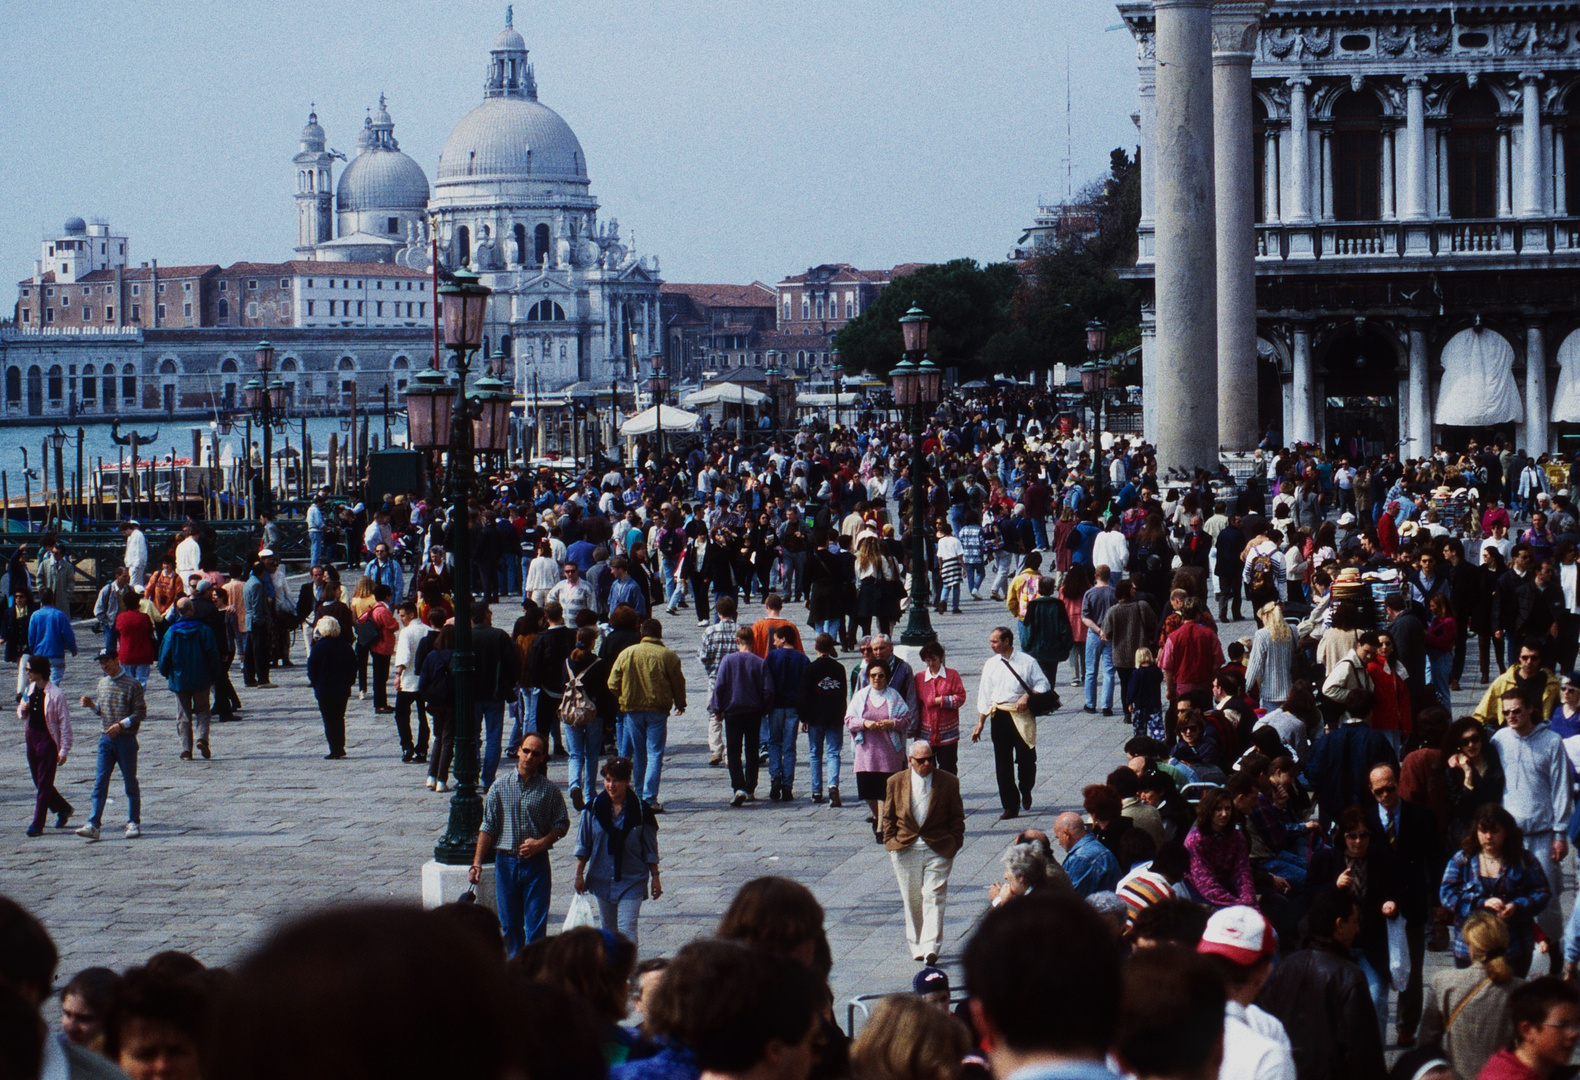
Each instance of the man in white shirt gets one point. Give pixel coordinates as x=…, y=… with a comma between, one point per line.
x=136, y=557
x=1009, y=678
x=378, y=532
x=188, y=553
x=1241, y=943
x=572, y=592
x=412, y=631
x=1111, y=549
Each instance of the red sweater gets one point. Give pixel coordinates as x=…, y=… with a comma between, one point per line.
x=1505, y=1066
x=134, y=638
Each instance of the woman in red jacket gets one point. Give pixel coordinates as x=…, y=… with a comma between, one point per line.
x=1391, y=708
x=134, y=635
x=940, y=693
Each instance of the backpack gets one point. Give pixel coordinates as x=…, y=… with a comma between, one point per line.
x=440, y=690
x=671, y=543
x=1264, y=576
x=576, y=707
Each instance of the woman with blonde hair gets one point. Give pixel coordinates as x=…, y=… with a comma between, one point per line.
x=1467, y=1009
x=1272, y=663
x=331, y=669
x=362, y=602
x=879, y=579
x=909, y=1038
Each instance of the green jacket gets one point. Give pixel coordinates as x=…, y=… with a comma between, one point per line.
x=1048, y=634
x=647, y=678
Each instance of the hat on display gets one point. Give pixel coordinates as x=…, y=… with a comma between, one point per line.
x=1239, y=933
x=1346, y=518
x=266, y=553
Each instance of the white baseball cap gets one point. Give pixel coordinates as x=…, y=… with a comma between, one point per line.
x=1241, y=934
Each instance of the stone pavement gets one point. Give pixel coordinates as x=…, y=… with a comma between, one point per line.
x=268, y=829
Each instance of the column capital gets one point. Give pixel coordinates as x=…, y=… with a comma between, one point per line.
x=1234, y=28
x=1300, y=81
x=1531, y=76
x=1415, y=80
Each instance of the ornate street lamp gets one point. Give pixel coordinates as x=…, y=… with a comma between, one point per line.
x=658, y=383
x=57, y=440
x=1094, y=384
x=438, y=425
x=916, y=387
x=773, y=379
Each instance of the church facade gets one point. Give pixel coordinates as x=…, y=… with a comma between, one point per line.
x=1417, y=226
x=511, y=200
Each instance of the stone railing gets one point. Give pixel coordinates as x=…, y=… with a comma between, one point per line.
x=1437, y=239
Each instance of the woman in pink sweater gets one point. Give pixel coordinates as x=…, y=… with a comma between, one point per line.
x=1220, y=863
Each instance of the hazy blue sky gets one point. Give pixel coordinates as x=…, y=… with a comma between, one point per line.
x=737, y=140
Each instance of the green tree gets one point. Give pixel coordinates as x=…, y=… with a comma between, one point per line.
x=968, y=305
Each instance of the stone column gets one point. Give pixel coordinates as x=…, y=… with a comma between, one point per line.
x=1147, y=117
x=1185, y=222
x=1270, y=192
x=1234, y=30
x=1413, y=204
x=1560, y=175
x=1300, y=427
x=1325, y=167
x=1505, y=171
x=1536, y=406
x=1389, y=211
x=1299, y=153
x=1419, y=396
x=1531, y=201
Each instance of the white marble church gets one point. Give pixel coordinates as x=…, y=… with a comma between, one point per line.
x=1417, y=228
x=572, y=300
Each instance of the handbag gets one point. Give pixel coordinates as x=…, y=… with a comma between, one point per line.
x=1040, y=702
x=366, y=630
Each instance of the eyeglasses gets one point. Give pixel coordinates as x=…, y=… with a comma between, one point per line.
x=530, y=753
x=1386, y=789
x=923, y=760
x=1190, y=729
x=1357, y=836
x=1469, y=740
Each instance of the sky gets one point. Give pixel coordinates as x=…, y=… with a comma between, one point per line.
x=737, y=140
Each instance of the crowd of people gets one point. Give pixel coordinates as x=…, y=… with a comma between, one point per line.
x=1300, y=790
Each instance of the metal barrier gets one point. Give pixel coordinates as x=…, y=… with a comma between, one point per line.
x=863, y=1002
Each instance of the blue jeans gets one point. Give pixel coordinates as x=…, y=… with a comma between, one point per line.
x=1377, y=985
x=523, y=715
x=315, y=546
x=975, y=572
x=492, y=716
x=780, y=725
x=521, y=890
x=829, y=627
x=1099, y=662
x=824, y=744
x=139, y=672
x=645, y=734
x=949, y=596
x=122, y=751
x=1039, y=531
x=620, y=916
x=1438, y=669
x=673, y=590
x=581, y=746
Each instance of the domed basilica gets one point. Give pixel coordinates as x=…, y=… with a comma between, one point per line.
x=511, y=200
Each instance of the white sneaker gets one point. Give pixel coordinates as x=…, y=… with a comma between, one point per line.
x=362, y=695
x=444, y=785
x=89, y=832
x=133, y=830
x=433, y=784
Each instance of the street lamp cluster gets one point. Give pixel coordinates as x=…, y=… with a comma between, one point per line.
x=444, y=421
x=1096, y=376
x=264, y=398
x=918, y=387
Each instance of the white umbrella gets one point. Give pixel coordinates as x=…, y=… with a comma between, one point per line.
x=725, y=393
x=646, y=421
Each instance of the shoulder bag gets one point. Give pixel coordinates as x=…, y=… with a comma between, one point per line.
x=1041, y=703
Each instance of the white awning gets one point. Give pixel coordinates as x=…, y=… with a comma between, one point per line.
x=1478, y=381
x=646, y=421
x=725, y=394
x=1566, y=398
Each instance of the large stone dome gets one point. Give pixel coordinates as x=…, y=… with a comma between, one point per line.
x=379, y=179
x=512, y=138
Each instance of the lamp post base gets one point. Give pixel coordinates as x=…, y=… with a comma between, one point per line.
x=443, y=883
x=918, y=628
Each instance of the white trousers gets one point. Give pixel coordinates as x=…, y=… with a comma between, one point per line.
x=923, y=875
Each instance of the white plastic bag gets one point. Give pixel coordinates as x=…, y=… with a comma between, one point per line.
x=582, y=912
x=1398, y=954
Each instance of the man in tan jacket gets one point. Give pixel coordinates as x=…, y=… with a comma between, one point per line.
x=923, y=803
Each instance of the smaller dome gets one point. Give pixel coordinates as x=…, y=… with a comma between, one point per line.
x=509, y=41
x=312, y=134
x=382, y=180
x=75, y=226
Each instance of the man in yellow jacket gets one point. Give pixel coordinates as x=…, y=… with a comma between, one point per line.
x=1527, y=674
x=647, y=682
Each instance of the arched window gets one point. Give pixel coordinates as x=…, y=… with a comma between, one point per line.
x=521, y=244
x=1473, y=154
x=347, y=364
x=129, y=384
x=90, y=385
x=228, y=365
x=13, y=386
x=57, y=383
x=545, y=311
x=540, y=244
x=463, y=245
x=506, y=346
x=224, y=309
x=167, y=367
x=806, y=308
x=1357, y=154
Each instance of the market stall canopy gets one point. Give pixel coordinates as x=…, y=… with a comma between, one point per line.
x=646, y=422
x=1478, y=381
x=724, y=394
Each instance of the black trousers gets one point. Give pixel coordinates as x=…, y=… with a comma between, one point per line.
x=381, y=681
x=1014, y=763
x=1411, y=997
x=404, y=700
x=739, y=730
x=333, y=710
x=260, y=646
x=948, y=757
x=443, y=744
x=699, y=593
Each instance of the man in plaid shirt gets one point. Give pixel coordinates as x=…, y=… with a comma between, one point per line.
x=523, y=817
x=122, y=709
x=718, y=641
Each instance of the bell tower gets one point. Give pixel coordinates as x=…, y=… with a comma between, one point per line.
x=314, y=189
